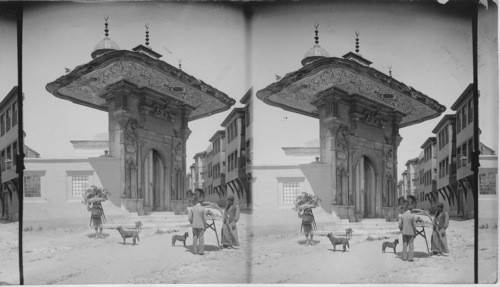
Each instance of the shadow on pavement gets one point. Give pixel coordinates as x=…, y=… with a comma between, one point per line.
x=416, y=254
x=303, y=242
x=338, y=250
x=206, y=248
x=128, y=243
x=92, y=235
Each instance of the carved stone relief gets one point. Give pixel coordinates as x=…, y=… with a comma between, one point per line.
x=94, y=78
x=343, y=138
x=341, y=155
x=373, y=119
x=347, y=77
x=130, y=128
x=342, y=171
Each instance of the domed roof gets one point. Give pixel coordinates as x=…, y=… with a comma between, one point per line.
x=315, y=53
x=105, y=45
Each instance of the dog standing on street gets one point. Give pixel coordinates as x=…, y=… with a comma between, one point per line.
x=127, y=234
x=182, y=238
x=337, y=241
x=390, y=245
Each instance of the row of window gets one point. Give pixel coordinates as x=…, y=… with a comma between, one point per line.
x=421, y=196
x=8, y=119
x=216, y=146
x=247, y=115
x=209, y=170
x=32, y=186
x=8, y=153
x=215, y=171
x=426, y=178
x=444, y=167
x=465, y=115
x=210, y=189
x=465, y=150
x=443, y=138
x=232, y=131
x=428, y=153
x=232, y=161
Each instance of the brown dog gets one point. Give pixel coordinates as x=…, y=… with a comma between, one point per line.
x=128, y=234
x=182, y=238
x=337, y=241
x=390, y=245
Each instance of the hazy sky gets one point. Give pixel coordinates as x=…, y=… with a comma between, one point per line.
x=8, y=53
x=428, y=47
x=209, y=38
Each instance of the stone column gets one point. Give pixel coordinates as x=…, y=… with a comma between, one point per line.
x=185, y=135
x=128, y=191
x=332, y=162
x=133, y=181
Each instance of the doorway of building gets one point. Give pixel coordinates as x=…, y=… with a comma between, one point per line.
x=365, y=183
x=154, y=181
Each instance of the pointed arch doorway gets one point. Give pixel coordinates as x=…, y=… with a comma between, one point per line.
x=154, y=181
x=365, y=188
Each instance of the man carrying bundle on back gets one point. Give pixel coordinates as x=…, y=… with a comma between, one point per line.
x=93, y=198
x=308, y=224
x=304, y=203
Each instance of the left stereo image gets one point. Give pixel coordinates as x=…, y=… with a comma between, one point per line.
x=10, y=145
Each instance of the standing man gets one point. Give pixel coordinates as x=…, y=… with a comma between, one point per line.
x=439, y=242
x=229, y=233
x=408, y=228
x=198, y=222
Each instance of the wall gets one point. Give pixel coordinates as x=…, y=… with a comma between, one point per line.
x=56, y=201
x=488, y=208
x=267, y=189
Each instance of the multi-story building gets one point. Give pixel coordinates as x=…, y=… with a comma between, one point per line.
x=199, y=170
x=225, y=163
x=419, y=194
x=464, y=118
x=216, y=166
x=428, y=171
x=446, y=161
x=247, y=152
x=236, y=177
x=449, y=178
x=403, y=185
x=412, y=181
x=8, y=151
x=190, y=179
